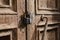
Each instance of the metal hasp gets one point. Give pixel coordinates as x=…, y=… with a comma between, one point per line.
x=27, y=18
x=44, y=37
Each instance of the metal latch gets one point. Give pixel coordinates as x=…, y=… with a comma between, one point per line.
x=45, y=28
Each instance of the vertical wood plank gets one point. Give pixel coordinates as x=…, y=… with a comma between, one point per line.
x=31, y=27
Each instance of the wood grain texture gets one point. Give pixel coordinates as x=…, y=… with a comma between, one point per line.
x=51, y=35
x=9, y=21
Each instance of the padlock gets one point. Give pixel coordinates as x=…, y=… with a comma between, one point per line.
x=27, y=18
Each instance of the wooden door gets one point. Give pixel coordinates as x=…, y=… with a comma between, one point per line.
x=8, y=19
x=40, y=9
x=49, y=9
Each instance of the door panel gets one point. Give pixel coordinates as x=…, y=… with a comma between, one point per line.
x=47, y=6
x=8, y=21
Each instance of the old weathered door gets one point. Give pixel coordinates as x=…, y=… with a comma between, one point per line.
x=37, y=30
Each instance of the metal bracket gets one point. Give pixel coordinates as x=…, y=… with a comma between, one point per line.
x=42, y=18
